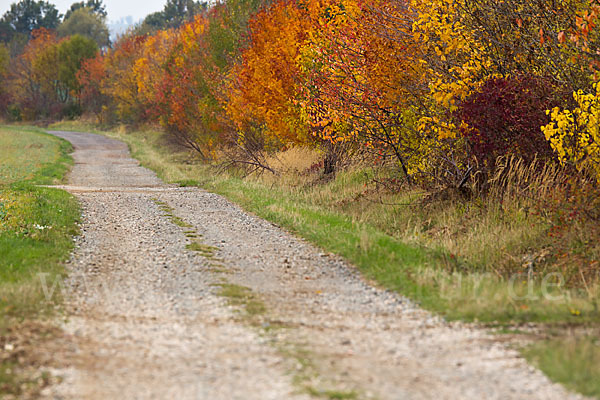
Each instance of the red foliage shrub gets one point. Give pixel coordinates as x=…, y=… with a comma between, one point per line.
x=504, y=117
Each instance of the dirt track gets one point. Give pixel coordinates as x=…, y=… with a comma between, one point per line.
x=146, y=321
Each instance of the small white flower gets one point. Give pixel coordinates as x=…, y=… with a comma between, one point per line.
x=41, y=227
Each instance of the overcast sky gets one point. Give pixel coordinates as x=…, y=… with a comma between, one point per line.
x=116, y=8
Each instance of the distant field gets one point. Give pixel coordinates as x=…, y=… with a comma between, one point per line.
x=36, y=229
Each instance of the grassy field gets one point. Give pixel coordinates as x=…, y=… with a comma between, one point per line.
x=467, y=260
x=36, y=229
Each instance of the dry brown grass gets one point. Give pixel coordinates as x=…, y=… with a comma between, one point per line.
x=295, y=161
x=514, y=179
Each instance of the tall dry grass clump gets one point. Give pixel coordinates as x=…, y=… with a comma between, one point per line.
x=514, y=179
x=567, y=202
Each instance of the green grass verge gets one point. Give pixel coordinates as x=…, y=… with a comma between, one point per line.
x=36, y=229
x=574, y=362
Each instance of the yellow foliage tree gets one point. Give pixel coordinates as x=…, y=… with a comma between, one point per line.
x=575, y=135
x=455, y=62
x=120, y=83
x=148, y=68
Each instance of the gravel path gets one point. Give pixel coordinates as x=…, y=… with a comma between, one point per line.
x=146, y=321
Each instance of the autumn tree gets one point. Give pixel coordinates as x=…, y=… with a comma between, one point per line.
x=87, y=23
x=34, y=76
x=191, y=99
x=573, y=131
x=43, y=78
x=149, y=69
x=503, y=117
x=328, y=73
x=466, y=45
x=186, y=100
x=90, y=78
x=263, y=83
x=362, y=82
x=120, y=84
x=72, y=53
x=4, y=64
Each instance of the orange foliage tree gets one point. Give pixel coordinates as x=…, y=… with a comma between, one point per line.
x=185, y=98
x=120, y=83
x=362, y=80
x=190, y=102
x=34, y=76
x=263, y=83
x=90, y=77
